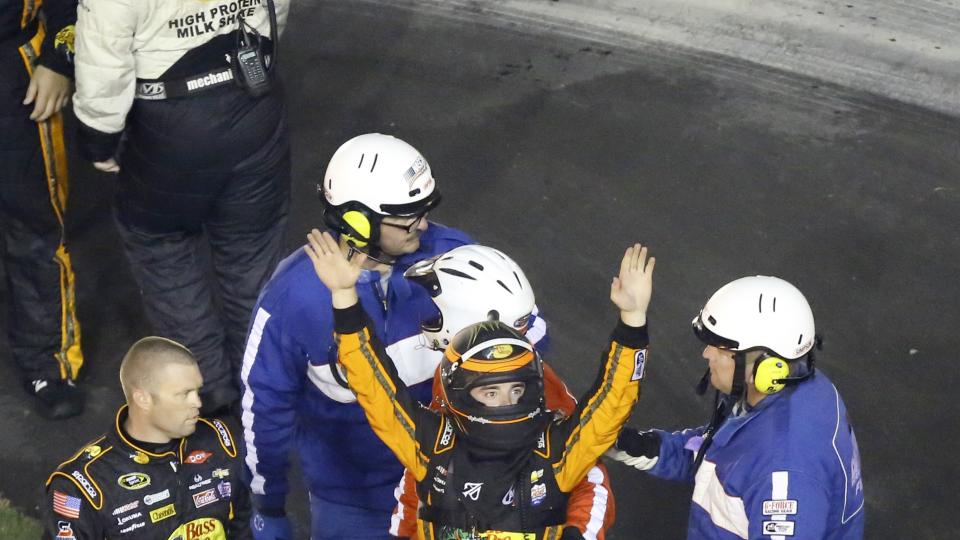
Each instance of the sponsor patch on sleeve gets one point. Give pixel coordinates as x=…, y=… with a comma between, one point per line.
x=65, y=531
x=225, y=439
x=639, y=359
x=778, y=528
x=780, y=508
x=87, y=487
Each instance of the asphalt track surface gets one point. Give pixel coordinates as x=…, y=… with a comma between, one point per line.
x=561, y=152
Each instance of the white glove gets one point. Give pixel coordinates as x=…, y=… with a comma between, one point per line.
x=638, y=449
x=642, y=463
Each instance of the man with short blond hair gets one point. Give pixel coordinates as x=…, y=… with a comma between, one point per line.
x=139, y=366
x=162, y=471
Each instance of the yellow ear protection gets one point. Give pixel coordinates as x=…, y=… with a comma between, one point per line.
x=360, y=225
x=355, y=222
x=770, y=374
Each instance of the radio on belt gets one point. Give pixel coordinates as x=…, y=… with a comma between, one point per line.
x=253, y=73
x=249, y=64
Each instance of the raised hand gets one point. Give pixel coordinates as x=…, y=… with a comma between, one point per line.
x=332, y=266
x=631, y=290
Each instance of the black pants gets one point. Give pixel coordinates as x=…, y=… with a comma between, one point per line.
x=209, y=168
x=43, y=331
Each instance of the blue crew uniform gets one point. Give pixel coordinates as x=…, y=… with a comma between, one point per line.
x=788, y=468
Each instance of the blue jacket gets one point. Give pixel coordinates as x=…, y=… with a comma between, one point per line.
x=292, y=396
x=789, y=468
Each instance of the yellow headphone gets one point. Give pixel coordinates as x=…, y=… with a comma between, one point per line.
x=360, y=223
x=769, y=373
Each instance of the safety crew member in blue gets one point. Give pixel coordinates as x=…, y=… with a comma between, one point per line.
x=779, y=459
x=377, y=192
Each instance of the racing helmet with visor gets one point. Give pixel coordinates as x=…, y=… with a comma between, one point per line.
x=489, y=353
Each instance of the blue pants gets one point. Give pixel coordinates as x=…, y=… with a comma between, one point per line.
x=332, y=521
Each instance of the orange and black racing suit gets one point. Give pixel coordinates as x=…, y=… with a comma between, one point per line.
x=591, y=507
x=533, y=507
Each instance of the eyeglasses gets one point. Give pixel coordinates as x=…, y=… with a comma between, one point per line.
x=408, y=228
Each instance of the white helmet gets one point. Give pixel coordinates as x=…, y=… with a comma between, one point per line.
x=471, y=284
x=758, y=312
x=371, y=176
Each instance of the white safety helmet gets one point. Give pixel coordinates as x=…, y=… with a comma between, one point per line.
x=758, y=312
x=371, y=176
x=471, y=284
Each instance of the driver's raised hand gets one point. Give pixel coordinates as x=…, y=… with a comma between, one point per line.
x=631, y=290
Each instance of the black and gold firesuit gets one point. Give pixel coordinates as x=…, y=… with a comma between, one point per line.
x=116, y=487
x=42, y=326
x=491, y=472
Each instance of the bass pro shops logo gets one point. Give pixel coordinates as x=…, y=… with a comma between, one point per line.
x=200, y=529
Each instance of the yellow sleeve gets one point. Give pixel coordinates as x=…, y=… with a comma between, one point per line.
x=392, y=412
x=599, y=416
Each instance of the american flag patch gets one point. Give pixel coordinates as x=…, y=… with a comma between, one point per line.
x=66, y=505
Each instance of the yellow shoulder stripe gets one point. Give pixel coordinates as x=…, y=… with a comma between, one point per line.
x=223, y=435
x=84, y=481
